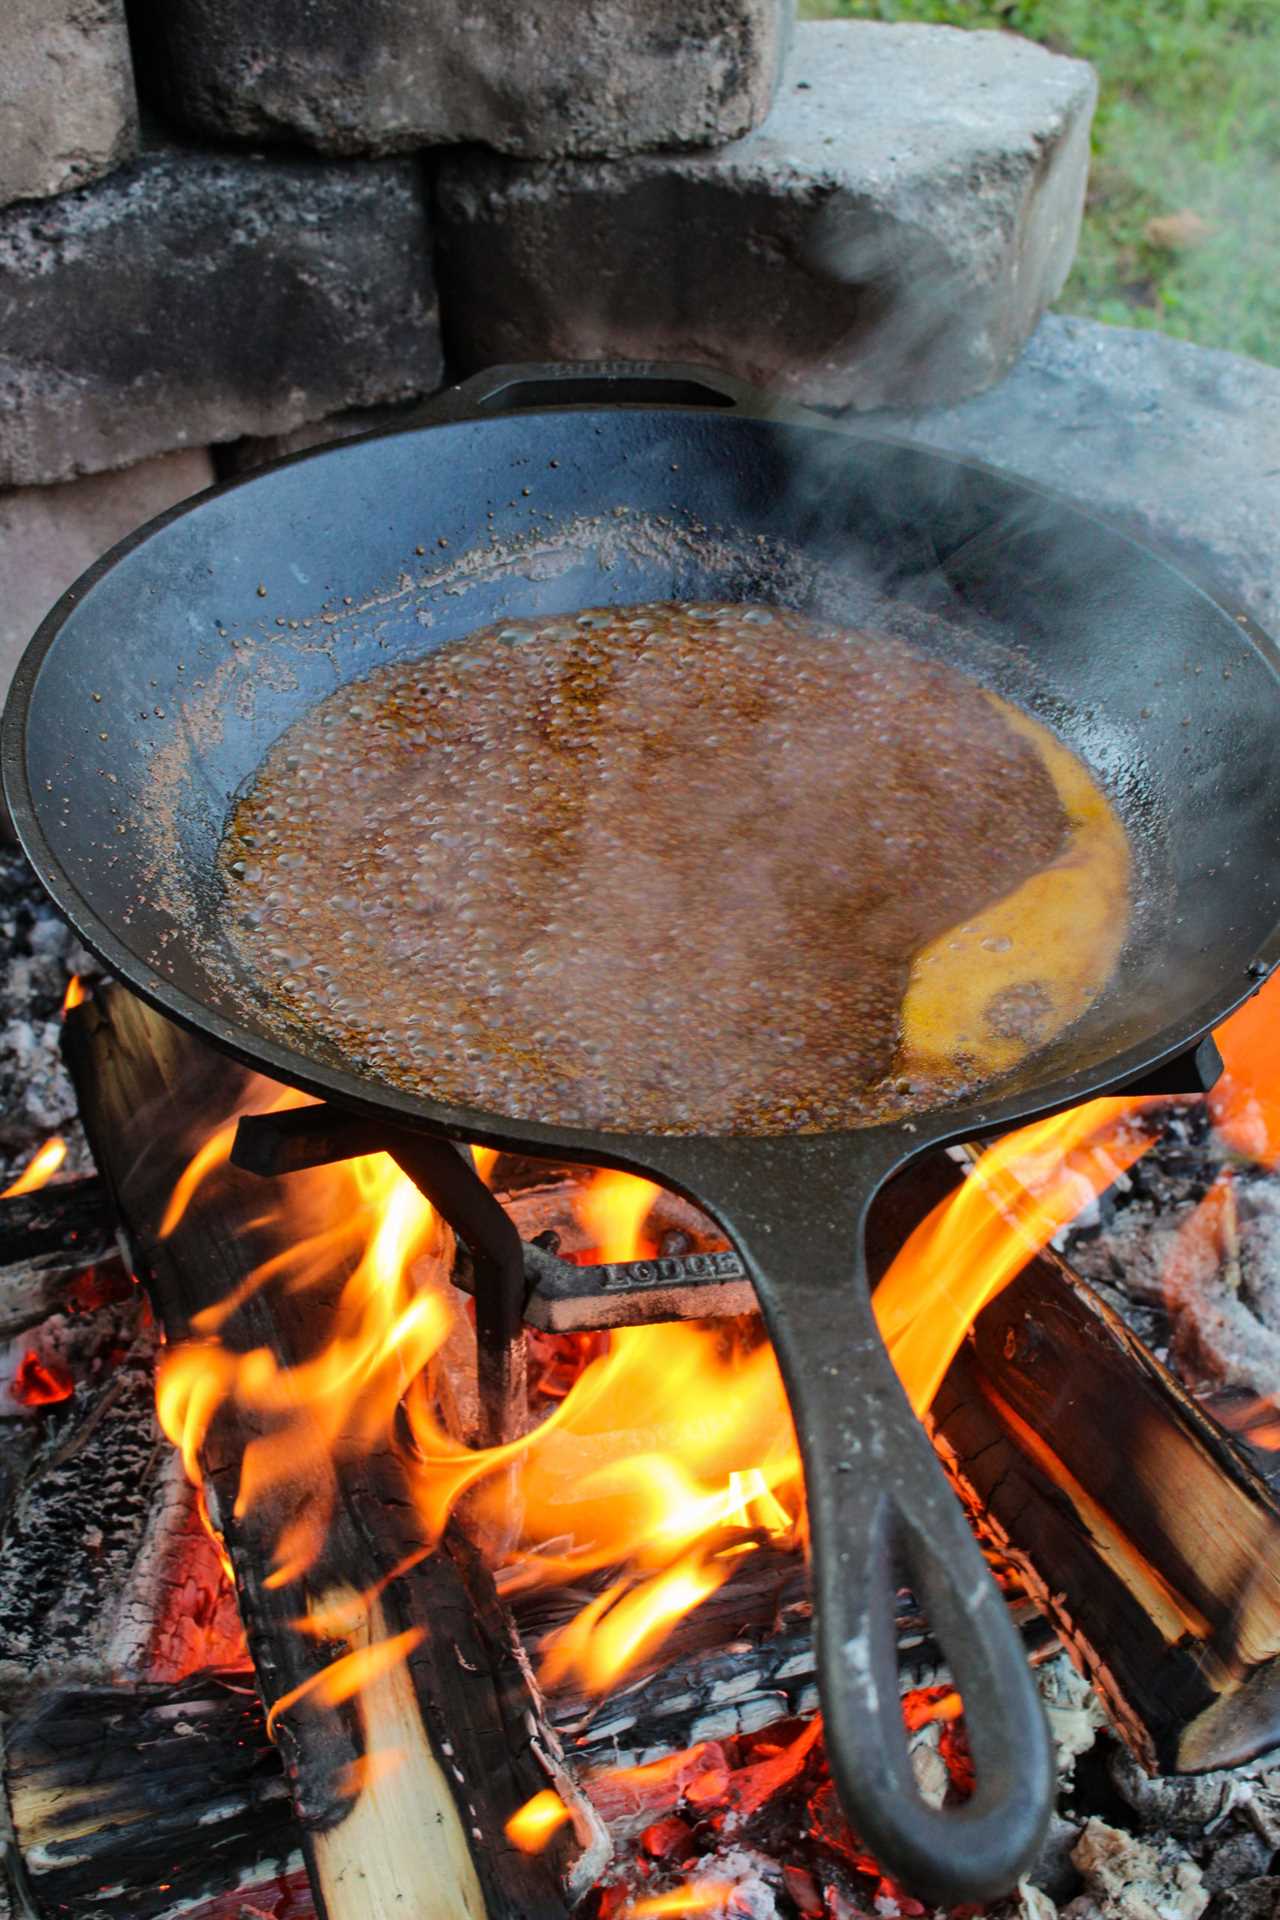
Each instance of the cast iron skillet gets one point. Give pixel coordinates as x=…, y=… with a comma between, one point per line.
x=153, y=689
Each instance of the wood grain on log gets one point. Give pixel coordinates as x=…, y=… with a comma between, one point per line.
x=402, y=1791
x=1151, y=1544
x=46, y=1239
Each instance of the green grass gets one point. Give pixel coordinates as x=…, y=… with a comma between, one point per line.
x=1188, y=119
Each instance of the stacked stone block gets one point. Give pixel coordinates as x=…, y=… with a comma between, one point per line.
x=890, y=235
x=331, y=210
x=539, y=78
x=67, y=107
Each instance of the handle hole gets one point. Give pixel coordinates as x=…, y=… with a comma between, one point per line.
x=602, y=389
x=933, y=1712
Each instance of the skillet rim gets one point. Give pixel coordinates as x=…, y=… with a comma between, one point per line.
x=350, y=1089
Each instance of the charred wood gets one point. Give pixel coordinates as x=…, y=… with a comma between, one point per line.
x=108, y=1788
x=1150, y=1542
x=78, y=1511
x=46, y=1239
x=402, y=1791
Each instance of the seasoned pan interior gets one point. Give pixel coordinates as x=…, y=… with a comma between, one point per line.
x=156, y=687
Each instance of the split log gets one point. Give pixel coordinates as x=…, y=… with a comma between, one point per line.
x=106, y=1785
x=402, y=1792
x=146, y=1802
x=1150, y=1542
x=47, y=1238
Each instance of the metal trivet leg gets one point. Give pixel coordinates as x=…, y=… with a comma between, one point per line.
x=275, y=1143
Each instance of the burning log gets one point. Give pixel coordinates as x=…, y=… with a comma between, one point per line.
x=408, y=1724
x=46, y=1239
x=1151, y=1544
x=369, y=1588
x=106, y=1787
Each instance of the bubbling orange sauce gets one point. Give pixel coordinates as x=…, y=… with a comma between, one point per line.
x=1016, y=975
x=676, y=868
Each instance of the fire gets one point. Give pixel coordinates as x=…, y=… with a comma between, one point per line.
x=533, y=1824
x=1245, y=1104
x=669, y=1454
x=343, y=1400
x=350, y=1674
x=613, y=1209
x=74, y=994
x=696, y=1896
x=39, y=1169
x=672, y=1450
x=41, y=1383
x=1019, y=1193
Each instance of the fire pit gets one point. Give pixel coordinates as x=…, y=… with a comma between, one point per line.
x=641, y=1740
x=320, y=1392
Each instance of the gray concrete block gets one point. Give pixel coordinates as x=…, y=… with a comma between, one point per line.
x=891, y=234
x=1179, y=443
x=197, y=296
x=67, y=107
x=49, y=535
x=545, y=77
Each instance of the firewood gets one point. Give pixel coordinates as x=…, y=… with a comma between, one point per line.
x=46, y=1239
x=402, y=1791
x=106, y=1788
x=1150, y=1542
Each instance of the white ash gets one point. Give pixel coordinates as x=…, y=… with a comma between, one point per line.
x=1196, y=1805
x=1075, y=1713
x=1197, y=1279
x=1130, y=1879
x=38, y=955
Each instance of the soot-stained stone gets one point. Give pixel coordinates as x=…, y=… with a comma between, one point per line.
x=49, y=535
x=1180, y=443
x=197, y=296
x=546, y=77
x=67, y=108
x=890, y=235
x=246, y=456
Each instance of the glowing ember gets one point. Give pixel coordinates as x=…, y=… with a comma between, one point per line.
x=1256, y=1420
x=41, y=1383
x=40, y=1169
x=533, y=1824
x=927, y=1704
x=704, y=1896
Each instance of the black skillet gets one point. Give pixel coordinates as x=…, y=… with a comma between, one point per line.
x=153, y=689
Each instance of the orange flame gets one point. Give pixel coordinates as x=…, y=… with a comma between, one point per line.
x=1245, y=1104
x=74, y=994
x=1019, y=1193
x=350, y=1674
x=671, y=1454
x=696, y=1896
x=39, y=1169
x=613, y=1208
x=356, y=1776
x=533, y=1824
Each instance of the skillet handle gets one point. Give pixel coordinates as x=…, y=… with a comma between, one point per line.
x=879, y=1501
x=595, y=383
